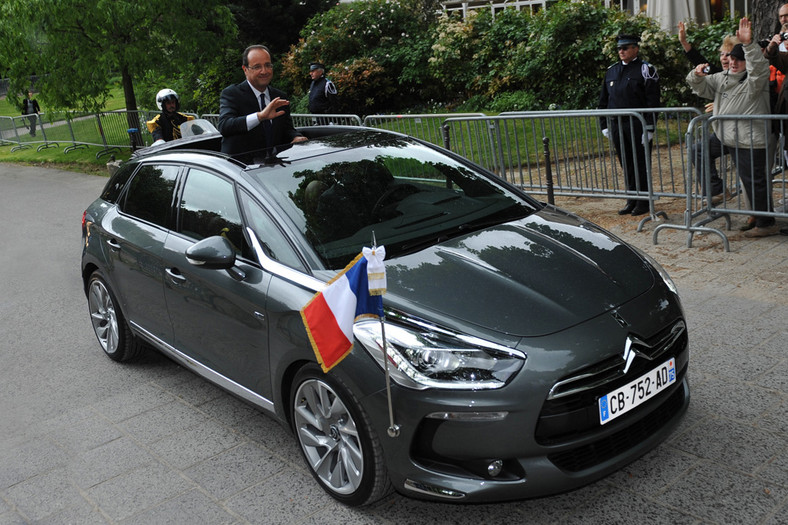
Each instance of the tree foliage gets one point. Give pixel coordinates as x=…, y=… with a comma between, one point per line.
x=77, y=46
x=377, y=49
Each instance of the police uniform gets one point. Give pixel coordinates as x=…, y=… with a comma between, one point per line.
x=627, y=86
x=320, y=92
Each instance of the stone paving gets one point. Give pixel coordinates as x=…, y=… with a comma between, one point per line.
x=86, y=440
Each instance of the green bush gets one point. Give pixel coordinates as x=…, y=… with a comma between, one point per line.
x=391, y=38
x=394, y=56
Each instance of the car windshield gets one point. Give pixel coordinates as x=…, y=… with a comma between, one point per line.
x=401, y=193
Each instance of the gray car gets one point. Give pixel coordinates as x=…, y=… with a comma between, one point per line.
x=529, y=351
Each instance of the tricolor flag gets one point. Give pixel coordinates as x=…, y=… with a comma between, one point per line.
x=330, y=314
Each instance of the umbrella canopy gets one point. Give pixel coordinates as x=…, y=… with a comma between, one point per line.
x=670, y=12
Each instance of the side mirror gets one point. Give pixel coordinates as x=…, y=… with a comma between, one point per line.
x=213, y=253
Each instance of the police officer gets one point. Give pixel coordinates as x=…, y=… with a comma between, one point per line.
x=630, y=83
x=321, y=91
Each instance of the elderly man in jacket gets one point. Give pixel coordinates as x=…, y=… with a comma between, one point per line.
x=743, y=90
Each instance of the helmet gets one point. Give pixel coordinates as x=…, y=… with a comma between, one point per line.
x=164, y=94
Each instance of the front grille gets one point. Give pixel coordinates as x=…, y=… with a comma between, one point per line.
x=587, y=456
x=572, y=411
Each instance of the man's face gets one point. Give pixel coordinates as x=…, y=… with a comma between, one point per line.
x=315, y=73
x=737, y=65
x=260, y=69
x=782, y=14
x=29, y=94
x=169, y=105
x=628, y=52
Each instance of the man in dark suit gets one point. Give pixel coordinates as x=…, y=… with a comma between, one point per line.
x=252, y=115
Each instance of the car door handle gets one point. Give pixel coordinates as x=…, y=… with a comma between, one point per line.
x=175, y=275
x=113, y=244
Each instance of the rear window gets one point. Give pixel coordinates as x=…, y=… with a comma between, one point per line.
x=117, y=182
x=149, y=196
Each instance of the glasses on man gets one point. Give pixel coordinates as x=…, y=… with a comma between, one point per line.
x=258, y=67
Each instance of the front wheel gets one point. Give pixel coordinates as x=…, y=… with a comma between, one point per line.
x=112, y=332
x=341, y=450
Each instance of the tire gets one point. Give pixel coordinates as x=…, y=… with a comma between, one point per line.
x=109, y=325
x=341, y=450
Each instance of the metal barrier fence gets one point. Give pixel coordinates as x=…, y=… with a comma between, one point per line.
x=706, y=161
x=427, y=126
x=582, y=161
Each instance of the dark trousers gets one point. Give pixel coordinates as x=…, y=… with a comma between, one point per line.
x=715, y=151
x=32, y=118
x=752, y=168
x=628, y=141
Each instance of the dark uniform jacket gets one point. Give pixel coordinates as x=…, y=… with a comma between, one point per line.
x=635, y=85
x=320, y=93
x=238, y=101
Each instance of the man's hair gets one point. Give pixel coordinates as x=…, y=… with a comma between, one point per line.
x=245, y=56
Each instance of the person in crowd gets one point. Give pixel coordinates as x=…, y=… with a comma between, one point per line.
x=31, y=108
x=322, y=91
x=695, y=57
x=631, y=83
x=715, y=149
x=743, y=90
x=253, y=115
x=166, y=126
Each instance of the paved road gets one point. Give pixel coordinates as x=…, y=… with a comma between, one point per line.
x=86, y=440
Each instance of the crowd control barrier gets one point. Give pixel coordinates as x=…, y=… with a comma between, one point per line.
x=428, y=127
x=703, y=209
x=582, y=161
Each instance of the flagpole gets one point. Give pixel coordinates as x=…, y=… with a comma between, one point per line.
x=393, y=429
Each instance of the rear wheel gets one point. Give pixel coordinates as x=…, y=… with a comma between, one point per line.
x=109, y=325
x=342, y=451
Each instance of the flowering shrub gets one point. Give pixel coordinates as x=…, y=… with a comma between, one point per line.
x=389, y=36
x=395, y=55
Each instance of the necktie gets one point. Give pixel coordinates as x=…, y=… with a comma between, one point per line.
x=266, y=124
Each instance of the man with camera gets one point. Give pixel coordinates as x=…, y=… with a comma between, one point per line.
x=743, y=90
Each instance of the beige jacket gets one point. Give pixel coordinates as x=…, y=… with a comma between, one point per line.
x=745, y=93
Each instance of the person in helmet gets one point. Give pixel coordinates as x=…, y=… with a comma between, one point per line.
x=166, y=126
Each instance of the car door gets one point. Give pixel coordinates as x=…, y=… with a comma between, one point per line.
x=134, y=238
x=217, y=319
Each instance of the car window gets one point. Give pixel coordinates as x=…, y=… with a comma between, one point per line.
x=208, y=207
x=117, y=182
x=150, y=193
x=272, y=240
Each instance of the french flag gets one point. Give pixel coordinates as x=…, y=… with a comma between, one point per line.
x=330, y=314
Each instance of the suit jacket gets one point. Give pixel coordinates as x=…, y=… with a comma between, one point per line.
x=236, y=103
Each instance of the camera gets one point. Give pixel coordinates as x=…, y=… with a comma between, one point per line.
x=706, y=70
x=784, y=36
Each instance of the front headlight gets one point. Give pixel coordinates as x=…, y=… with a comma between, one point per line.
x=423, y=356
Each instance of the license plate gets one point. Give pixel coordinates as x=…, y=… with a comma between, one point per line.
x=634, y=394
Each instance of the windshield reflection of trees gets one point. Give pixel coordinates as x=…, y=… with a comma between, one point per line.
x=342, y=198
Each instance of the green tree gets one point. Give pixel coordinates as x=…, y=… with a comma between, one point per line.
x=77, y=46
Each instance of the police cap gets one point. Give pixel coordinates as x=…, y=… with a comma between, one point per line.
x=624, y=40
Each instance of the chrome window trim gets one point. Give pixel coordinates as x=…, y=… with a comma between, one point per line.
x=281, y=270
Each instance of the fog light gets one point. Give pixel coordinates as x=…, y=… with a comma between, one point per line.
x=494, y=468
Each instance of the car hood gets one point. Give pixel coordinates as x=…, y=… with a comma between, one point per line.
x=530, y=277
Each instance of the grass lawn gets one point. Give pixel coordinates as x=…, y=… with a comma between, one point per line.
x=82, y=159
